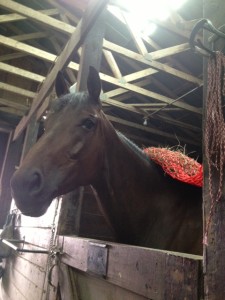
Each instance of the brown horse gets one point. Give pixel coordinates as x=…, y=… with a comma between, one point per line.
x=80, y=147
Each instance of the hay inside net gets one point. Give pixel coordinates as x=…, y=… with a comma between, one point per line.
x=177, y=165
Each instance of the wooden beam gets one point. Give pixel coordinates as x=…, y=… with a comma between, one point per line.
x=50, y=57
x=135, y=34
x=74, y=43
x=12, y=111
x=20, y=72
x=112, y=63
x=15, y=105
x=63, y=27
x=18, y=17
x=30, y=36
x=213, y=208
x=148, y=93
x=35, y=15
x=154, y=64
x=130, y=267
x=168, y=51
x=12, y=56
x=152, y=131
x=12, y=157
x=16, y=90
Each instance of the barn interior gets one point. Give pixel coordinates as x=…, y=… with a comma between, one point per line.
x=152, y=91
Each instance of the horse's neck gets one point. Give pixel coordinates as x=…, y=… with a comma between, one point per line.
x=126, y=178
x=124, y=166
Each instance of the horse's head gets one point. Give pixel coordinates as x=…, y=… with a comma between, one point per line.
x=68, y=155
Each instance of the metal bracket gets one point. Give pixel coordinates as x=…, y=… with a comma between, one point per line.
x=97, y=259
x=11, y=245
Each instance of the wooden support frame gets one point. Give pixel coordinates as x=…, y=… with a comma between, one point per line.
x=74, y=43
x=154, y=274
x=214, y=252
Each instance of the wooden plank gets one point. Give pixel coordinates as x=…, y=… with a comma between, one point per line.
x=148, y=93
x=30, y=36
x=50, y=57
x=35, y=15
x=151, y=130
x=135, y=34
x=91, y=288
x=67, y=289
x=154, y=64
x=74, y=43
x=91, y=51
x=12, y=157
x=17, y=17
x=30, y=137
x=112, y=63
x=11, y=56
x=168, y=51
x=20, y=72
x=12, y=104
x=214, y=252
x=150, y=273
x=69, y=29
x=12, y=111
x=16, y=90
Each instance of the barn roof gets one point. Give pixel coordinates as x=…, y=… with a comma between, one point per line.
x=152, y=85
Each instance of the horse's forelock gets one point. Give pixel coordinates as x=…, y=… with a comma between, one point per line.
x=69, y=99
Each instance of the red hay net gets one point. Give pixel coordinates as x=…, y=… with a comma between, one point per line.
x=177, y=165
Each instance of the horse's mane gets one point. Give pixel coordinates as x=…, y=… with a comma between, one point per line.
x=74, y=98
x=133, y=147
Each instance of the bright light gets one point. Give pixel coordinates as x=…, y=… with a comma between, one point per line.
x=143, y=12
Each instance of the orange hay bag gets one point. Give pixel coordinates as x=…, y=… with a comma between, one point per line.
x=177, y=165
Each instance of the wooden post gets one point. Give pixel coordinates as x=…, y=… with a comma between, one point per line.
x=30, y=136
x=12, y=159
x=90, y=56
x=214, y=253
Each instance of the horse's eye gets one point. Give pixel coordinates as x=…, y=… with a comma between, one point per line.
x=88, y=124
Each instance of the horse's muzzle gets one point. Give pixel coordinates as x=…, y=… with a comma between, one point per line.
x=27, y=187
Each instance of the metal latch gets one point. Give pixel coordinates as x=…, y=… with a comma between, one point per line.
x=97, y=259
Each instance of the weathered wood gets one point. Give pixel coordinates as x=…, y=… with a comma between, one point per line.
x=12, y=158
x=91, y=53
x=70, y=213
x=150, y=130
x=91, y=288
x=13, y=104
x=67, y=287
x=33, y=14
x=30, y=137
x=124, y=85
x=112, y=63
x=17, y=17
x=74, y=43
x=16, y=90
x=214, y=252
x=19, y=72
x=150, y=273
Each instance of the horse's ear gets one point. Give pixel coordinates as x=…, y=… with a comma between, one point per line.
x=61, y=86
x=94, y=84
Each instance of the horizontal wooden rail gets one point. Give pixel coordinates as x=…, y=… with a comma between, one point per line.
x=154, y=274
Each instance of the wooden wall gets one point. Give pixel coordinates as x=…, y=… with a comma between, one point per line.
x=214, y=252
x=25, y=275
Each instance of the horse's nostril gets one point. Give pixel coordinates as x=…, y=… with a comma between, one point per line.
x=35, y=182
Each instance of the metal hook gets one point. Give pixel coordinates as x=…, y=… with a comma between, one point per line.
x=198, y=47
